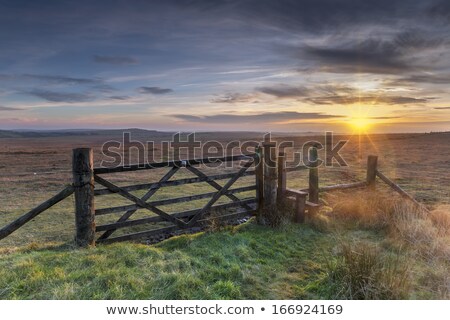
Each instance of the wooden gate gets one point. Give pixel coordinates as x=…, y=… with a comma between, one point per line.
x=164, y=223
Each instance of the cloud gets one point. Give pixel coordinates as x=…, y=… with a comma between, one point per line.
x=325, y=94
x=440, y=10
x=120, y=98
x=268, y=117
x=116, y=60
x=371, y=56
x=60, y=96
x=383, y=118
x=442, y=108
x=154, y=90
x=391, y=55
x=234, y=98
x=2, y=108
x=58, y=79
x=284, y=91
x=309, y=15
x=421, y=78
x=415, y=39
x=369, y=99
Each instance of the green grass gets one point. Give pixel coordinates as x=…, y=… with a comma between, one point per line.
x=246, y=262
x=367, y=245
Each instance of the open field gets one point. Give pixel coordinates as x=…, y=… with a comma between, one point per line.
x=33, y=169
x=301, y=261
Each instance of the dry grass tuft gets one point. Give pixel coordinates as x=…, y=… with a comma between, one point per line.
x=365, y=208
x=363, y=272
x=423, y=236
x=441, y=219
x=425, y=233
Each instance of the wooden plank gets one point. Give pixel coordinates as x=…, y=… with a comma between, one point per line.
x=137, y=235
x=100, y=192
x=312, y=205
x=183, y=214
x=397, y=188
x=219, y=193
x=212, y=183
x=19, y=222
x=184, y=163
x=145, y=197
x=294, y=193
x=169, y=229
x=163, y=202
x=138, y=201
x=359, y=184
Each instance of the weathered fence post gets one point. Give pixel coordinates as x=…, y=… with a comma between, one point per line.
x=270, y=175
x=313, y=177
x=268, y=213
x=371, y=170
x=259, y=177
x=83, y=181
x=300, y=206
x=281, y=176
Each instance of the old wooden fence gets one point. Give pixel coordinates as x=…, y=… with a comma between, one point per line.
x=269, y=189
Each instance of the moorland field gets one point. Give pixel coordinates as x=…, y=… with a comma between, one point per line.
x=361, y=245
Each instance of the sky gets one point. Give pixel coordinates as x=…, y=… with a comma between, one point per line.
x=253, y=65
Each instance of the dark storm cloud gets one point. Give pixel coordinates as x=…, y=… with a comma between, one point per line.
x=2, y=108
x=154, y=90
x=262, y=117
x=53, y=96
x=116, y=60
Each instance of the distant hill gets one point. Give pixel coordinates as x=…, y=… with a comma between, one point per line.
x=73, y=132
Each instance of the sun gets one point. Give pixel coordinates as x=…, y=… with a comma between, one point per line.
x=360, y=123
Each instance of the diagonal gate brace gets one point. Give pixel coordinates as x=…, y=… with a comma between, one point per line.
x=145, y=197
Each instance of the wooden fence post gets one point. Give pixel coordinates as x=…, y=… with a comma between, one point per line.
x=259, y=178
x=300, y=206
x=281, y=176
x=270, y=176
x=313, y=177
x=83, y=182
x=371, y=170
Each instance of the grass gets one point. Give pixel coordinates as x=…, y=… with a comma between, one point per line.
x=410, y=259
x=377, y=252
x=364, y=272
x=361, y=245
x=245, y=262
